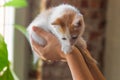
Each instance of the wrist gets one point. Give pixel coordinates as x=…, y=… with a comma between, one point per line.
x=74, y=51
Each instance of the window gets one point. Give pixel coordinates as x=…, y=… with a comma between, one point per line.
x=6, y=26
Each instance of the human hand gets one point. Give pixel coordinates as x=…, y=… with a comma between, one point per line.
x=52, y=50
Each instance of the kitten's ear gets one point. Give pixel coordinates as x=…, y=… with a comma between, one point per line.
x=56, y=22
x=81, y=21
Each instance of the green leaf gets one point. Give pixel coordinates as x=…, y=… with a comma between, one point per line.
x=3, y=53
x=21, y=29
x=7, y=75
x=16, y=3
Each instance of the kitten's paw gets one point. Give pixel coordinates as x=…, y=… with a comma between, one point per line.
x=67, y=49
x=81, y=43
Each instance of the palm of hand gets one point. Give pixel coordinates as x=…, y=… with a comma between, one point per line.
x=52, y=50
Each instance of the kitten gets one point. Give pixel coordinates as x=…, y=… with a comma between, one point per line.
x=65, y=22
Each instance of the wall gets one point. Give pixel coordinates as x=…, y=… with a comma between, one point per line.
x=19, y=45
x=112, y=54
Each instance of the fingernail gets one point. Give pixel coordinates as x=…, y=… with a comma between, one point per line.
x=34, y=28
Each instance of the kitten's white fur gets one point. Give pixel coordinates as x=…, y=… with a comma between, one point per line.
x=60, y=10
x=44, y=21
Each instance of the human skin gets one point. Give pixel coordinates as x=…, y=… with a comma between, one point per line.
x=52, y=49
x=77, y=65
x=80, y=69
x=92, y=65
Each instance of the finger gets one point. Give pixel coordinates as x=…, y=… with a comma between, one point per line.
x=39, y=53
x=37, y=46
x=40, y=32
x=38, y=49
x=47, y=35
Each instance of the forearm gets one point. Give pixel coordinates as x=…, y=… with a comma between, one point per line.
x=97, y=75
x=78, y=66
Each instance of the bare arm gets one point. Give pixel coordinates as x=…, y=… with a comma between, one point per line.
x=96, y=73
x=91, y=62
x=78, y=66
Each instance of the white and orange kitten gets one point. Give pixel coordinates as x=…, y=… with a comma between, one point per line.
x=64, y=21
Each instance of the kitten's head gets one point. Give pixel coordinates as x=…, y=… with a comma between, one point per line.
x=70, y=24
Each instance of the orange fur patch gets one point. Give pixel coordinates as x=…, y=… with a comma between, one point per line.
x=66, y=22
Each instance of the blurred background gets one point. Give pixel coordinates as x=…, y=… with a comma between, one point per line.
x=102, y=20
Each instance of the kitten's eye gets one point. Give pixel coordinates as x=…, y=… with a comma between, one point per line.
x=64, y=38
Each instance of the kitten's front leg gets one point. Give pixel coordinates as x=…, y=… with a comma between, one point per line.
x=66, y=47
x=81, y=43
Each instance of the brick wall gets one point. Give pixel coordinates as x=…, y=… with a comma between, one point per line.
x=94, y=14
